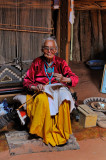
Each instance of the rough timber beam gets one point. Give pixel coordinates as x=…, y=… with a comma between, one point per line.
x=90, y=4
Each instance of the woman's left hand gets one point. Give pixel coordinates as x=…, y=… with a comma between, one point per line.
x=58, y=77
x=61, y=78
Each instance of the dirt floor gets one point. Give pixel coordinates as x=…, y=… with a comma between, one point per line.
x=88, y=86
x=91, y=149
x=89, y=81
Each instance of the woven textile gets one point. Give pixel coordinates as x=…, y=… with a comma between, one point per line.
x=19, y=143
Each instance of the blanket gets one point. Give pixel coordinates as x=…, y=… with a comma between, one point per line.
x=19, y=142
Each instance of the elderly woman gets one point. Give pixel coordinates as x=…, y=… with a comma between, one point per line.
x=54, y=127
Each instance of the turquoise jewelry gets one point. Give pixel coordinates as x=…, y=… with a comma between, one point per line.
x=49, y=70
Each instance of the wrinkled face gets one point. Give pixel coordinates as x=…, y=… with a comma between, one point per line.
x=49, y=49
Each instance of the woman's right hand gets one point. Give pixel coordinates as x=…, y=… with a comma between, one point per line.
x=39, y=87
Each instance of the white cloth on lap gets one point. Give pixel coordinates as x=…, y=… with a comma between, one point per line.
x=59, y=93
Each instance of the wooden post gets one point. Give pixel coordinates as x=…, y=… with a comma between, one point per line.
x=58, y=32
x=68, y=35
x=65, y=30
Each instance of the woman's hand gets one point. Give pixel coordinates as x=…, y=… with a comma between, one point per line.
x=39, y=87
x=58, y=77
x=61, y=78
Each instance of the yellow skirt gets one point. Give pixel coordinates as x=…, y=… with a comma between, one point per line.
x=53, y=129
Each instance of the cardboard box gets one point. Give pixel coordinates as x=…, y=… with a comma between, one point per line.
x=88, y=117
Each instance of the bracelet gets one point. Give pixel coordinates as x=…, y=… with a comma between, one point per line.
x=69, y=83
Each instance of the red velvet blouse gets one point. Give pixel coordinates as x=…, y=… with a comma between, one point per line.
x=36, y=73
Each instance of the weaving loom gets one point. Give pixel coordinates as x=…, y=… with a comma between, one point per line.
x=22, y=29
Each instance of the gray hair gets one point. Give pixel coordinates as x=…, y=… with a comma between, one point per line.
x=51, y=39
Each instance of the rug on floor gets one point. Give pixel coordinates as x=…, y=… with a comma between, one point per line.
x=19, y=143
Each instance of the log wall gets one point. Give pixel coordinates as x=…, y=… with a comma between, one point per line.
x=89, y=35
x=104, y=31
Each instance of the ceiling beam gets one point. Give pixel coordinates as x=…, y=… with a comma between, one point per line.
x=90, y=4
x=90, y=0
x=24, y=4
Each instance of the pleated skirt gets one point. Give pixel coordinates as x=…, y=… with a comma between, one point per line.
x=54, y=130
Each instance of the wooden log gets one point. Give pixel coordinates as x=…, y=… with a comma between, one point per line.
x=100, y=44
x=95, y=32
x=96, y=35
x=90, y=5
x=58, y=32
x=104, y=31
x=76, y=43
x=38, y=4
x=85, y=35
x=64, y=28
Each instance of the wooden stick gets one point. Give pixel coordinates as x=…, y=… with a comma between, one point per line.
x=26, y=26
x=19, y=30
x=27, y=100
x=30, y=98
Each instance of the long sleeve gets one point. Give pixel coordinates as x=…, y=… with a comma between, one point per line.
x=29, y=78
x=36, y=74
x=68, y=73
